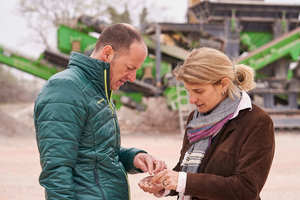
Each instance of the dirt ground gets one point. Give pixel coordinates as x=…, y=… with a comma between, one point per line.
x=19, y=159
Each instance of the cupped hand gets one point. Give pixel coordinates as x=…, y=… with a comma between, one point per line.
x=147, y=186
x=148, y=163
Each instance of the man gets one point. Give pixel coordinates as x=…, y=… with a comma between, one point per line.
x=77, y=129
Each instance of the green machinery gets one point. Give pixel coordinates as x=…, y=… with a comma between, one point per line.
x=286, y=46
x=265, y=51
x=254, y=40
x=285, y=49
x=37, y=67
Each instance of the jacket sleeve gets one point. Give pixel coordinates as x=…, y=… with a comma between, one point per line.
x=250, y=173
x=59, y=117
x=127, y=156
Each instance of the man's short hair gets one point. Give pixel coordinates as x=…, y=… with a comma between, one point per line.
x=119, y=36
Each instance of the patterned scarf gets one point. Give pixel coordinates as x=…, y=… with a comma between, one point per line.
x=201, y=129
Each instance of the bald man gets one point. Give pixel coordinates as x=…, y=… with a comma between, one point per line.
x=77, y=130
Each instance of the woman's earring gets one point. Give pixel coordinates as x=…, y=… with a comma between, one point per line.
x=223, y=93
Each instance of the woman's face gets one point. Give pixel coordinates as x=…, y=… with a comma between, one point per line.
x=205, y=96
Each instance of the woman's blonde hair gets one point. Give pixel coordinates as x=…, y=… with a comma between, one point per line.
x=209, y=66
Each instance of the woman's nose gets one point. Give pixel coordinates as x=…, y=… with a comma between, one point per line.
x=192, y=99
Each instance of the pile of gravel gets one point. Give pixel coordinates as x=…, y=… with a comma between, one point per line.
x=157, y=118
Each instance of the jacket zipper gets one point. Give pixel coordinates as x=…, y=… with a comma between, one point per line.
x=109, y=100
x=106, y=92
x=112, y=111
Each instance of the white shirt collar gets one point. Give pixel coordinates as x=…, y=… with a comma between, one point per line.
x=244, y=104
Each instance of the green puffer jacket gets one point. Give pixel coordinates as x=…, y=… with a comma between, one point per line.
x=78, y=135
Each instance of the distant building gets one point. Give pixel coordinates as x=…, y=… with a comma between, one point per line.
x=194, y=2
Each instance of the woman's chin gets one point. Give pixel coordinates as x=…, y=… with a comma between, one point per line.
x=203, y=110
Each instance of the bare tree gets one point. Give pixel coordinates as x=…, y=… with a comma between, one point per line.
x=143, y=16
x=61, y=11
x=44, y=16
x=116, y=17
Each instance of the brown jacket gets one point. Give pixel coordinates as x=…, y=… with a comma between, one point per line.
x=237, y=163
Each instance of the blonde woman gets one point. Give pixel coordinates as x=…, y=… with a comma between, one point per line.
x=228, y=145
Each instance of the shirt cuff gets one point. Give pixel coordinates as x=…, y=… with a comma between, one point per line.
x=181, y=182
x=165, y=193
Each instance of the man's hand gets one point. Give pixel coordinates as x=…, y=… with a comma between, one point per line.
x=148, y=163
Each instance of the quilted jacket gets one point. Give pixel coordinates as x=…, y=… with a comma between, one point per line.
x=78, y=135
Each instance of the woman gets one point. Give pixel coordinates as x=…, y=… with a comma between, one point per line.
x=228, y=145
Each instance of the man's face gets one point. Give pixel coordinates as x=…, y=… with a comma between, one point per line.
x=124, y=65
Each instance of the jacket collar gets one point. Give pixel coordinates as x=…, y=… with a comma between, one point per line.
x=245, y=103
x=96, y=71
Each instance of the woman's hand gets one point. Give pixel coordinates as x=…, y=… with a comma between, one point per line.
x=167, y=178
x=146, y=185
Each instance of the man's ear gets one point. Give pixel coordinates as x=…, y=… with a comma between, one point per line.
x=107, y=54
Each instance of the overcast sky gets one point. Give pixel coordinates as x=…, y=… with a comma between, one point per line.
x=15, y=35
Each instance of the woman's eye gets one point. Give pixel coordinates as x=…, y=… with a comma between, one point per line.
x=198, y=91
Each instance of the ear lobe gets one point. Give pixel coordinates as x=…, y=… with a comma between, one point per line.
x=225, y=82
x=108, y=53
x=110, y=57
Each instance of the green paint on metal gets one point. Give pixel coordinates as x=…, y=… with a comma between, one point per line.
x=66, y=35
x=33, y=67
x=171, y=96
x=149, y=62
x=290, y=74
x=288, y=46
x=135, y=96
x=254, y=40
x=233, y=21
